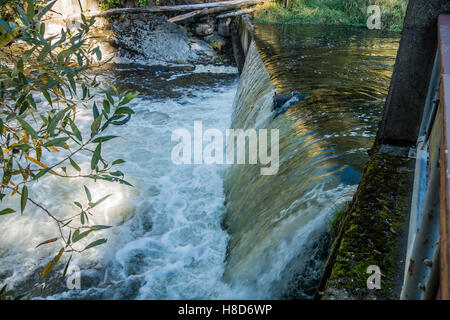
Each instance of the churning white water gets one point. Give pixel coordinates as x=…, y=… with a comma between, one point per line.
x=167, y=241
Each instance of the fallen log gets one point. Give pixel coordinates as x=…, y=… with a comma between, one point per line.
x=234, y=14
x=228, y=7
x=188, y=7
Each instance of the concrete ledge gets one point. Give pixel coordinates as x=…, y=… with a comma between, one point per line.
x=372, y=231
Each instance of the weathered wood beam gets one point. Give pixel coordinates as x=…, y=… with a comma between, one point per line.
x=189, y=7
x=235, y=13
x=228, y=7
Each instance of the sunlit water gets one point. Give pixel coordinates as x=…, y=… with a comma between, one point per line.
x=211, y=231
x=279, y=224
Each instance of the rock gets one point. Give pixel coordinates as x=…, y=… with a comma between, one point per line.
x=153, y=40
x=204, y=28
x=282, y=101
x=216, y=42
x=224, y=27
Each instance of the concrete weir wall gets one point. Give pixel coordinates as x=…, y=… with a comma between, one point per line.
x=242, y=35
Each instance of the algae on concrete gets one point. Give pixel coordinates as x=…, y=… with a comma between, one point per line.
x=372, y=231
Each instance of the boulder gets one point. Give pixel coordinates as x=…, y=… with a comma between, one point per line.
x=153, y=40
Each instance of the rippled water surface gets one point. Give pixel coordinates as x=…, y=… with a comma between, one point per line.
x=278, y=224
x=346, y=71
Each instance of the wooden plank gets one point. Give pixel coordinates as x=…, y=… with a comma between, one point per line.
x=444, y=60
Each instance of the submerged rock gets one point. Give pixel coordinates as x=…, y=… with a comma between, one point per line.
x=282, y=101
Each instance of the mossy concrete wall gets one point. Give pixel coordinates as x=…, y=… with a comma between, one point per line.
x=242, y=35
x=373, y=231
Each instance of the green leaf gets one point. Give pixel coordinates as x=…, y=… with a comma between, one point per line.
x=55, y=142
x=95, y=243
x=54, y=122
x=66, y=267
x=118, y=161
x=47, y=96
x=74, y=165
x=75, y=130
x=77, y=236
x=109, y=97
x=24, y=147
x=6, y=26
x=99, y=227
x=106, y=106
x=42, y=29
x=98, y=53
x=103, y=139
x=88, y=193
x=51, y=84
x=6, y=211
x=78, y=205
x=116, y=92
x=65, y=53
x=30, y=9
x=95, y=111
x=27, y=127
x=45, y=10
x=95, y=125
x=124, y=110
x=96, y=156
x=130, y=96
x=41, y=173
x=44, y=52
x=92, y=205
x=24, y=198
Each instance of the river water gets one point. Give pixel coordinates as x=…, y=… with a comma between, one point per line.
x=221, y=231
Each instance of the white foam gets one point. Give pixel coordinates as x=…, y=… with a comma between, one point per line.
x=167, y=242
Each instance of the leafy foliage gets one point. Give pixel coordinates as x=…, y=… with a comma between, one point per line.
x=44, y=83
x=110, y=4
x=333, y=12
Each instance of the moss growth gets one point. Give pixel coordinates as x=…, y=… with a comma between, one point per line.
x=336, y=12
x=337, y=220
x=369, y=231
x=111, y=4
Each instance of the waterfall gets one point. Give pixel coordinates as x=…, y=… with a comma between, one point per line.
x=278, y=224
